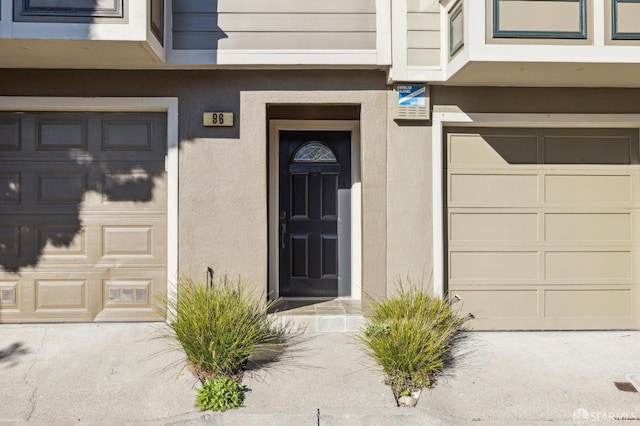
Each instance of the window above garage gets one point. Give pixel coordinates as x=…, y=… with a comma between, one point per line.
x=82, y=33
x=78, y=11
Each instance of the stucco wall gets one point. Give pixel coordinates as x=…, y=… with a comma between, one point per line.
x=535, y=100
x=409, y=219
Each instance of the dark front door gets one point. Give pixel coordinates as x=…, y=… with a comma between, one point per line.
x=315, y=167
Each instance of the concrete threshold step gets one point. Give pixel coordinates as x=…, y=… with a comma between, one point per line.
x=322, y=322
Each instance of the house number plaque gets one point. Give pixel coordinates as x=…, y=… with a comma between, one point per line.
x=217, y=119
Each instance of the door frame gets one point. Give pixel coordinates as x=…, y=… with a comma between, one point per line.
x=356, y=197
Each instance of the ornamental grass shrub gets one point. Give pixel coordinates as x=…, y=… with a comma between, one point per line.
x=411, y=336
x=221, y=325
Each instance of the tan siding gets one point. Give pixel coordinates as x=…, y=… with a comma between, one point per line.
x=275, y=6
x=261, y=22
x=423, y=40
x=423, y=57
x=423, y=32
x=423, y=21
x=272, y=40
x=279, y=24
x=423, y=6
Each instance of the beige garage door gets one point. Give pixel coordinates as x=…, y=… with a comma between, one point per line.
x=82, y=216
x=544, y=227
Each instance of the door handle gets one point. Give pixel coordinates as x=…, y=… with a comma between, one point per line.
x=283, y=232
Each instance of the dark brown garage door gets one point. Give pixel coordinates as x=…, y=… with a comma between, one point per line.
x=82, y=216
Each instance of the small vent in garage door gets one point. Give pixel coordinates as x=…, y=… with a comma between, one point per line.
x=128, y=295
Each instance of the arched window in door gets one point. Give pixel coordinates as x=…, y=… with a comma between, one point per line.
x=314, y=152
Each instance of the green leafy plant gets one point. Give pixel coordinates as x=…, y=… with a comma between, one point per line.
x=374, y=330
x=221, y=325
x=411, y=336
x=219, y=394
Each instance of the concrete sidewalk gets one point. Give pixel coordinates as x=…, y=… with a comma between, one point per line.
x=120, y=373
x=540, y=377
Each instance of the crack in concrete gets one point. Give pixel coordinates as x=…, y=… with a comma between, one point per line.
x=26, y=376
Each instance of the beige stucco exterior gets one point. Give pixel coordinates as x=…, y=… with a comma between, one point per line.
x=409, y=251
x=236, y=211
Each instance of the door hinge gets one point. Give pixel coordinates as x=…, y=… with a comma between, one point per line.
x=166, y=163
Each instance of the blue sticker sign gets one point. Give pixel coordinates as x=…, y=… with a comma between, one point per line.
x=412, y=95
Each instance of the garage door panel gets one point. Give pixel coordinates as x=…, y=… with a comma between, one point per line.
x=61, y=187
x=498, y=227
x=62, y=241
x=18, y=246
x=10, y=184
x=10, y=139
x=590, y=303
x=143, y=189
x=496, y=189
x=118, y=187
x=499, y=303
x=140, y=240
x=598, y=189
x=127, y=135
x=494, y=150
x=494, y=265
x=584, y=149
x=61, y=134
x=588, y=227
x=127, y=240
x=588, y=265
x=68, y=294
x=10, y=244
